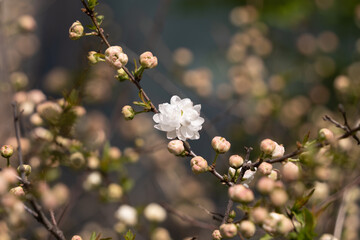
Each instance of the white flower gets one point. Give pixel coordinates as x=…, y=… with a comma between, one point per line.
x=179, y=119
x=127, y=215
x=248, y=176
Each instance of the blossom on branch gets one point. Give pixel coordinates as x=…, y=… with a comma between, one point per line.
x=179, y=119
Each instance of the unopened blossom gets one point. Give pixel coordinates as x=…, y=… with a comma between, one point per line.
x=259, y=214
x=198, y=165
x=216, y=235
x=114, y=56
x=7, y=151
x=147, y=60
x=27, y=23
x=265, y=185
x=328, y=236
x=76, y=237
x=76, y=30
x=127, y=215
x=220, y=145
x=228, y=230
x=94, y=57
x=155, y=213
x=160, y=234
x=326, y=134
x=278, y=223
x=236, y=161
x=265, y=168
x=77, y=160
x=239, y=193
x=176, y=147
x=49, y=111
x=114, y=192
x=92, y=181
x=278, y=197
x=122, y=75
x=290, y=171
x=18, y=191
x=267, y=146
x=278, y=151
x=179, y=119
x=128, y=112
x=247, y=228
x=25, y=168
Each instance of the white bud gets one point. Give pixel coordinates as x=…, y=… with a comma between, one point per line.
x=247, y=228
x=278, y=151
x=155, y=213
x=267, y=146
x=127, y=215
x=176, y=147
x=76, y=31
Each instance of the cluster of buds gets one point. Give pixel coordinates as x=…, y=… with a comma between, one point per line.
x=220, y=145
x=240, y=193
x=115, y=56
x=76, y=30
x=147, y=60
x=270, y=147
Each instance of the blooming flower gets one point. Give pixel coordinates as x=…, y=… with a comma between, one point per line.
x=179, y=119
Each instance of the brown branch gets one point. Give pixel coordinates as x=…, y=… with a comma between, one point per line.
x=227, y=211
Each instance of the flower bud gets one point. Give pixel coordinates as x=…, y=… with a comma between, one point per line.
x=7, y=151
x=198, y=165
x=228, y=230
x=273, y=175
x=239, y=193
x=265, y=168
x=76, y=237
x=265, y=185
x=278, y=197
x=9, y=175
x=216, y=235
x=128, y=112
x=155, y=213
x=114, y=153
x=17, y=191
x=247, y=228
x=94, y=57
x=326, y=134
x=290, y=171
x=114, y=56
x=147, y=60
x=267, y=146
x=176, y=147
x=36, y=120
x=127, y=215
x=114, y=192
x=122, y=75
x=27, y=23
x=327, y=236
x=160, y=234
x=77, y=160
x=92, y=181
x=278, y=151
x=285, y=226
x=220, y=145
x=231, y=172
x=259, y=214
x=49, y=111
x=93, y=162
x=236, y=161
x=26, y=169
x=76, y=30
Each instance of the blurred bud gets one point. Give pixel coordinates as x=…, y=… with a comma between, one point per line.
x=290, y=171
x=198, y=165
x=267, y=146
x=326, y=134
x=94, y=57
x=278, y=223
x=232, y=214
x=7, y=151
x=259, y=214
x=64, y=142
x=273, y=175
x=247, y=228
x=19, y=80
x=36, y=120
x=76, y=237
x=122, y=75
x=155, y=213
x=160, y=234
x=278, y=197
x=27, y=23
x=239, y=193
x=77, y=160
x=26, y=169
x=147, y=60
x=9, y=175
x=128, y=112
x=114, y=153
x=327, y=236
x=216, y=235
x=93, y=162
x=76, y=31
x=265, y=185
x=265, y=168
x=220, y=145
x=127, y=215
x=17, y=191
x=36, y=96
x=79, y=111
x=236, y=161
x=278, y=151
x=61, y=193
x=114, y=56
x=285, y=226
x=41, y=133
x=131, y=154
x=49, y=111
x=228, y=230
x=176, y=147
x=92, y=181
x=114, y=192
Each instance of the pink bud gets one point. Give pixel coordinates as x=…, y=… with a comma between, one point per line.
x=198, y=165
x=265, y=168
x=267, y=146
x=216, y=235
x=259, y=214
x=220, y=145
x=290, y=171
x=147, y=60
x=247, y=228
x=236, y=161
x=18, y=191
x=7, y=151
x=76, y=237
x=114, y=56
x=176, y=147
x=239, y=193
x=278, y=197
x=265, y=185
x=228, y=230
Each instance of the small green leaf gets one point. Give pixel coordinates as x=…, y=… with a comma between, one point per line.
x=299, y=203
x=93, y=236
x=99, y=19
x=266, y=237
x=92, y=4
x=91, y=27
x=129, y=235
x=306, y=138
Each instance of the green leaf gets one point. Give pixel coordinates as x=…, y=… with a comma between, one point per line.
x=141, y=104
x=92, y=4
x=93, y=236
x=306, y=138
x=299, y=203
x=129, y=235
x=99, y=19
x=91, y=27
x=266, y=237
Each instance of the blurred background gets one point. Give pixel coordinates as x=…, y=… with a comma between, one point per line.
x=260, y=69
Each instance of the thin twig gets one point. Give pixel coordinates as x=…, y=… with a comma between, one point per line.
x=339, y=224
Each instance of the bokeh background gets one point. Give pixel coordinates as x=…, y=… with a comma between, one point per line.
x=260, y=69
